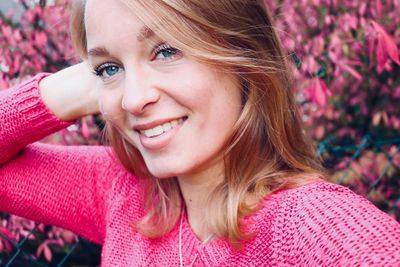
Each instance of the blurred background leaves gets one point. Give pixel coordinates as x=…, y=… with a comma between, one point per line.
x=345, y=59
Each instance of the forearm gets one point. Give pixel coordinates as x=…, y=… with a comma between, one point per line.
x=70, y=93
x=58, y=185
x=24, y=118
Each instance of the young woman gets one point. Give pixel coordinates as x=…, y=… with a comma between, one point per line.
x=217, y=170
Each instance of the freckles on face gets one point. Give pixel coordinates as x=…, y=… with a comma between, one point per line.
x=177, y=111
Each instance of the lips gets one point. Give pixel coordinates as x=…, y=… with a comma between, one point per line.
x=156, y=135
x=160, y=129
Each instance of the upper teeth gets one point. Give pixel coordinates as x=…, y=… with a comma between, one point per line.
x=158, y=130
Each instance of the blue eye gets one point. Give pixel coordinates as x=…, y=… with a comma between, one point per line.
x=107, y=70
x=111, y=70
x=165, y=51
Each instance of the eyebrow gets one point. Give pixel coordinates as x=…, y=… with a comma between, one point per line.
x=144, y=33
x=98, y=52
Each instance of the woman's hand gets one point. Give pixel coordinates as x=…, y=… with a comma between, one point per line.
x=71, y=93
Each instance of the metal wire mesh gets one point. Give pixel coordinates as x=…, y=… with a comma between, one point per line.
x=375, y=187
x=21, y=254
x=370, y=168
x=22, y=257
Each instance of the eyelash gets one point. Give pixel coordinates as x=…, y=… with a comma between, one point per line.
x=99, y=70
x=163, y=47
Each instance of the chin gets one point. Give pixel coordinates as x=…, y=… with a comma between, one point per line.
x=163, y=173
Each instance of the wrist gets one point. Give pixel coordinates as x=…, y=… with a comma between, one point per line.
x=70, y=93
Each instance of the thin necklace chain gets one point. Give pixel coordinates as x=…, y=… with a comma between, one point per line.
x=208, y=239
x=180, y=240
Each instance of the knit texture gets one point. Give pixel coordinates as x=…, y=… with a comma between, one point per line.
x=84, y=189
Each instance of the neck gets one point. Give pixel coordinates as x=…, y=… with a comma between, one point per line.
x=195, y=190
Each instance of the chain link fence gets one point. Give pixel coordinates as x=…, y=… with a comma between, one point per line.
x=23, y=254
x=370, y=168
x=22, y=257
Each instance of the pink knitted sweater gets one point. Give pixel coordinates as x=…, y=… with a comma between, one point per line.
x=85, y=190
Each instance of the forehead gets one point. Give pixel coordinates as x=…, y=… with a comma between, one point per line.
x=112, y=21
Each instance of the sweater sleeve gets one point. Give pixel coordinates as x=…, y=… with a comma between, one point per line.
x=332, y=226
x=24, y=118
x=66, y=186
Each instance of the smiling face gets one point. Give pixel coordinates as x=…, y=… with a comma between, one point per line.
x=176, y=111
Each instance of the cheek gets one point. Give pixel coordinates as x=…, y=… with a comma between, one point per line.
x=110, y=105
x=197, y=90
x=101, y=107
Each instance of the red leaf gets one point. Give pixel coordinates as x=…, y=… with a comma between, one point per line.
x=47, y=253
x=381, y=55
x=352, y=71
x=323, y=91
x=68, y=236
x=386, y=45
x=5, y=243
x=379, y=7
x=376, y=119
x=44, y=248
x=319, y=92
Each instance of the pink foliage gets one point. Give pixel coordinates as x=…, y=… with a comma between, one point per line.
x=386, y=46
x=347, y=81
x=318, y=92
x=346, y=49
x=39, y=41
x=347, y=78
x=4, y=242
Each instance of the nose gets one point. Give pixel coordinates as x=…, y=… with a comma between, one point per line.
x=139, y=93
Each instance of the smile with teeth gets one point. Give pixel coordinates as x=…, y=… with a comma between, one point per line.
x=160, y=129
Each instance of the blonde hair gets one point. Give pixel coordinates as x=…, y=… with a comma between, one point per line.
x=268, y=150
